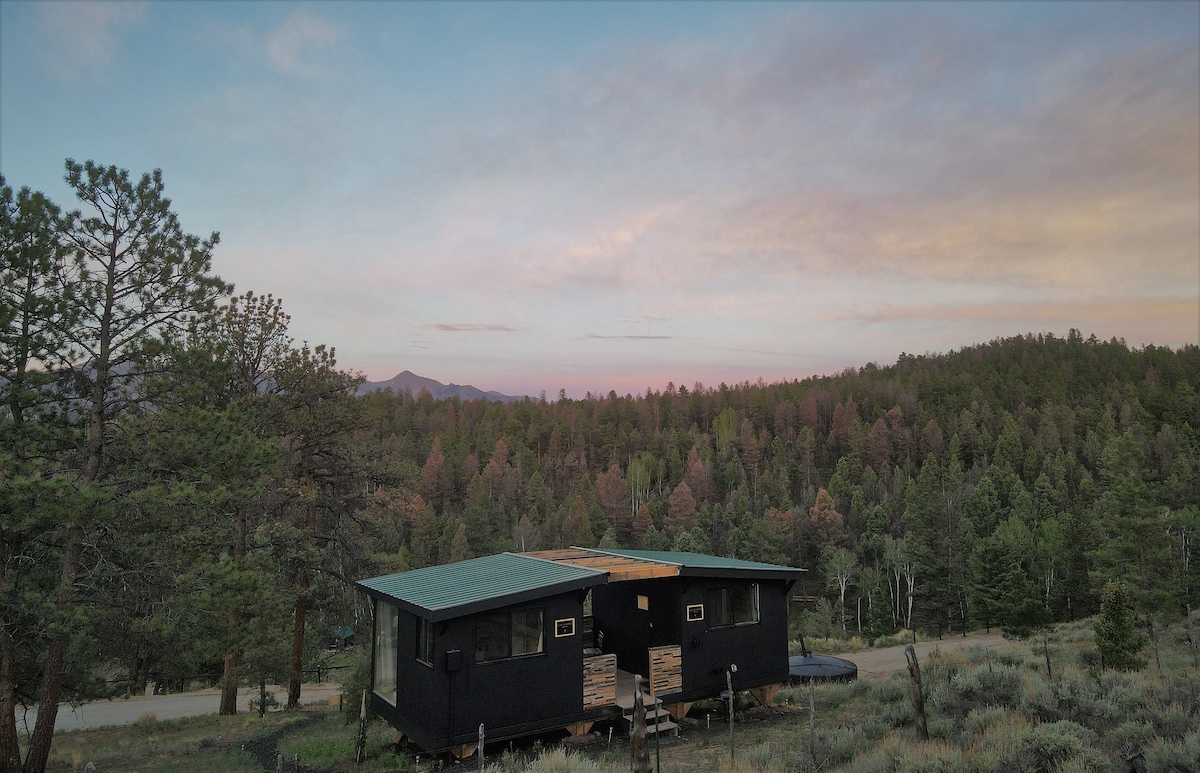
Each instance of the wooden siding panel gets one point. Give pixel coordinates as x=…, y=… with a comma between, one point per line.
x=666, y=670
x=599, y=681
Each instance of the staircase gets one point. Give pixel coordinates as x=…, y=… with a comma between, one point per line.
x=654, y=708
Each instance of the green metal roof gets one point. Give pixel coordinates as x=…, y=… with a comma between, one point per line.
x=700, y=564
x=478, y=584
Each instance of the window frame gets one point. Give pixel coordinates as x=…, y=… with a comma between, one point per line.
x=386, y=642
x=507, y=620
x=426, y=642
x=721, y=607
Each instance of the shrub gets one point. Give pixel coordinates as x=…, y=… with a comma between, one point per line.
x=556, y=761
x=1165, y=756
x=975, y=688
x=149, y=718
x=885, y=691
x=1171, y=721
x=759, y=758
x=1128, y=736
x=933, y=757
x=1046, y=746
x=356, y=678
x=980, y=721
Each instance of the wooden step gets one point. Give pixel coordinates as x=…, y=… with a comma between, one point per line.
x=661, y=712
x=664, y=725
x=665, y=720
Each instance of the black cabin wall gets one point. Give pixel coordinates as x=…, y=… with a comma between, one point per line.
x=759, y=650
x=629, y=631
x=508, y=696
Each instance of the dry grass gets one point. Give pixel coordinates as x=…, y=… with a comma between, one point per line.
x=988, y=711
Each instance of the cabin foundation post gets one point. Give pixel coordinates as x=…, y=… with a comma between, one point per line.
x=464, y=751
x=678, y=710
x=577, y=729
x=765, y=694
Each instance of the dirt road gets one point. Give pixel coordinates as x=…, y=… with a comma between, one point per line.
x=880, y=663
x=126, y=711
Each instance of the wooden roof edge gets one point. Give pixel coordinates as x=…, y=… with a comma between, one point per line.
x=598, y=551
x=557, y=563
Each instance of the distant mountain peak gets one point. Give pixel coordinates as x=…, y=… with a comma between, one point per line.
x=407, y=381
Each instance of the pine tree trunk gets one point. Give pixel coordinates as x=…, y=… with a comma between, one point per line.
x=229, y=685
x=10, y=757
x=55, y=664
x=229, y=678
x=303, y=582
x=293, y=701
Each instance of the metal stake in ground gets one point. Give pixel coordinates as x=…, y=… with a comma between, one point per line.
x=812, y=721
x=657, y=746
x=729, y=686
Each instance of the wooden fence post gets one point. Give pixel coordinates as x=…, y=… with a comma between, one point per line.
x=639, y=746
x=360, y=745
x=918, y=696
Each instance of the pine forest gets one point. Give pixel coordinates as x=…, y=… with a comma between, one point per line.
x=185, y=490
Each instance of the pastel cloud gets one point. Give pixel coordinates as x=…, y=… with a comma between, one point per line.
x=83, y=37
x=297, y=46
x=693, y=193
x=468, y=327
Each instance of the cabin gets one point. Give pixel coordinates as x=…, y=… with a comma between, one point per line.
x=525, y=643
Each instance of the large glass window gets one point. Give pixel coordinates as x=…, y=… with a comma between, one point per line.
x=425, y=641
x=509, y=635
x=737, y=605
x=387, y=621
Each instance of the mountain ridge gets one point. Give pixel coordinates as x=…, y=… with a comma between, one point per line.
x=408, y=381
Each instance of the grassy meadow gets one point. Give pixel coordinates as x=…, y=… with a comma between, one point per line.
x=988, y=710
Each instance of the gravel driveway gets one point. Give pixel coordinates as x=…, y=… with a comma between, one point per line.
x=881, y=663
x=126, y=711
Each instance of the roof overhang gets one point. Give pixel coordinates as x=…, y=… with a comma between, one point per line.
x=448, y=591
x=630, y=565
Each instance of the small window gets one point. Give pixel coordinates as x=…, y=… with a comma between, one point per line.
x=737, y=605
x=387, y=621
x=508, y=635
x=426, y=641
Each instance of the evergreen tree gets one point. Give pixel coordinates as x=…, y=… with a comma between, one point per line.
x=132, y=276
x=1115, y=636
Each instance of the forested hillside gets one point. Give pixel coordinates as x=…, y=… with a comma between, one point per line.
x=184, y=492
x=945, y=490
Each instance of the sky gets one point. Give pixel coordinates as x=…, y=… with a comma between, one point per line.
x=614, y=196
